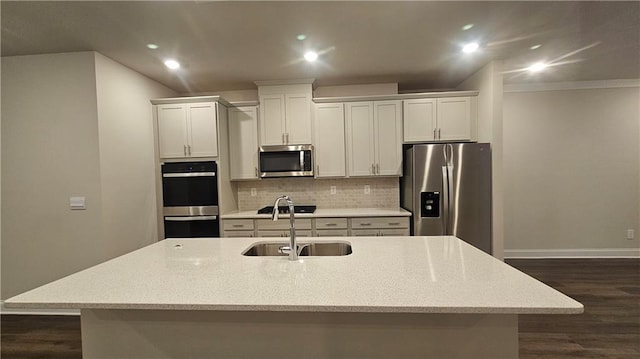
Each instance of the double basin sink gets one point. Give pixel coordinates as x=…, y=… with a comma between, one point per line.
x=310, y=249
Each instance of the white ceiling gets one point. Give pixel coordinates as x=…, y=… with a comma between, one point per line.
x=228, y=45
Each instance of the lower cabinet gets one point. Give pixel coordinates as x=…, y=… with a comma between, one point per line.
x=379, y=226
x=280, y=228
x=317, y=227
x=237, y=228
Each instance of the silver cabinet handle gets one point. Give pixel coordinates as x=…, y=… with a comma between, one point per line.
x=365, y=224
x=283, y=139
x=373, y=169
x=394, y=223
x=190, y=218
x=317, y=169
x=256, y=168
x=377, y=168
x=435, y=135
x=331, y=224
x=185, y=150
x=237, y=225
x=439, y=133
x=287, y=138
x=189, y=149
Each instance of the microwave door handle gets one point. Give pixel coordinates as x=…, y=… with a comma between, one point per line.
x=191, y=218
x=301, y=160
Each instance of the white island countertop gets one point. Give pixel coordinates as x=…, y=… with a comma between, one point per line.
x=439, y=274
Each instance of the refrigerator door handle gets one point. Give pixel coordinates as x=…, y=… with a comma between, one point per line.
x=445, y=200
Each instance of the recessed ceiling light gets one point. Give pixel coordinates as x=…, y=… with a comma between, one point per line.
x=172, y=64
x=301, y=37
x=470, y=47
x=152, y=46
x=467, y=27
x=537, y=67
x=311, y=56
x=535, y=47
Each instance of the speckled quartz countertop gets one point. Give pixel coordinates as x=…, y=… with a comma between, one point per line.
x=327, y=213
x=383, y=274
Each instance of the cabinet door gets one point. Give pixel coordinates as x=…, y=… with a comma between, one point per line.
x=360, y=147
x=172, y=131
x=243, y=142
x=237, y=234
x=419, y=120
x=388, y=138
x=272, y=126
x=454, y=118
x=203, y=130
x=329, y=140
x=298, y=119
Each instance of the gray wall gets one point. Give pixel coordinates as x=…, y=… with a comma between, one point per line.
x=571, y=163
x=62, y=136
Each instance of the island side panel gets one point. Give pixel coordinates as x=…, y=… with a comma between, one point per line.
x=205, y=334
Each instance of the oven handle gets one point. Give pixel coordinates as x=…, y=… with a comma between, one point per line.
x=189, y=174
x=191, y=218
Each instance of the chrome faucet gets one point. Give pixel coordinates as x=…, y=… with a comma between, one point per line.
x=293, y=246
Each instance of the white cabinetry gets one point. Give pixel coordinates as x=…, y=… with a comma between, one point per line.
x=280, y=228
x=243, y=142
x=237, y=228
x=187, y=130
x=374, y=138
x=380, y=226
x=329, y=140
x=439, y=119
x=285, y=114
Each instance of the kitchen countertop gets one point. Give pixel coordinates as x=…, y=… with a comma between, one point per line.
x=326, y=213
x=440, y=274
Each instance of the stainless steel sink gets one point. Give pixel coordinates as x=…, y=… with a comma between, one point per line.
x=308, y=249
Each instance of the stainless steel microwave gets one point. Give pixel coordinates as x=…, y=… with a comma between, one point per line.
x=286, y=161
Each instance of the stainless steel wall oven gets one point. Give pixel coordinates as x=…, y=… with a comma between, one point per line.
x=190, y=199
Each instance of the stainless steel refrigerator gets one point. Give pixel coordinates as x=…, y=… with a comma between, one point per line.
x=447, y=188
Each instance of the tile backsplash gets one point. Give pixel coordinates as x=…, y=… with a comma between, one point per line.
x=350, y=192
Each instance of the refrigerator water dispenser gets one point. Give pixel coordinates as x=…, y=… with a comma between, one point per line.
x=430, y=204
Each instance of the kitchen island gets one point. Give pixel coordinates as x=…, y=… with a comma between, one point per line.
x=395, y=297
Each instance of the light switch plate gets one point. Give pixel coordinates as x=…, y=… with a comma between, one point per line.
x=77, y=202
x=367, y=189
x=253, y=192
x=333, y=190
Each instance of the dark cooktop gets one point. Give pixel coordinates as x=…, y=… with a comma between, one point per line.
x=285, y=209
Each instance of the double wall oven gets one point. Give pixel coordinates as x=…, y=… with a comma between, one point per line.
x=190, y=199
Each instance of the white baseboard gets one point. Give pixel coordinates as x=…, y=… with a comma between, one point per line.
x=34, y=311
x=573, y=253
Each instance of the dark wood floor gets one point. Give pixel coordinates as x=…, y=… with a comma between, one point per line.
x=609, y=328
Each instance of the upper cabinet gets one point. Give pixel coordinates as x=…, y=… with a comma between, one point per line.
x=329, y=140
x=187, y=127
x=374, y=138
x=285, y=113
x=440, y=119
x=243, y=142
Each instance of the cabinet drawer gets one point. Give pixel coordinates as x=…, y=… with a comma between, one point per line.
x=394, y=232
x=237, y=224
x=364, y=232
x=237, y=234
x=331, y=223
x=284, y=234
x=332, y=233
x=380, y=222
x=282, y=223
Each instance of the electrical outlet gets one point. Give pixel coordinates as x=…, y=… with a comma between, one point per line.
x=333, y=190
x=367, y=189
x=254, y=192
x=630, y=233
